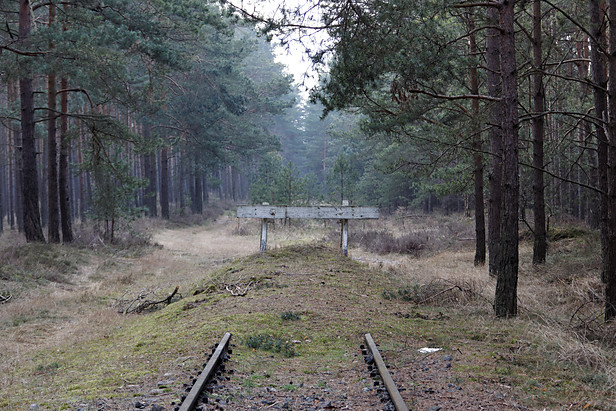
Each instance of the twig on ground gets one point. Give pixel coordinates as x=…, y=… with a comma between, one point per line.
x=439, y=293
x=5, y=298
x=142, y=303
x=239, y=290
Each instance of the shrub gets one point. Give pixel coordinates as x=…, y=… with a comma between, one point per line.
x=289, y=316
x=270, y=343
x=382, y=242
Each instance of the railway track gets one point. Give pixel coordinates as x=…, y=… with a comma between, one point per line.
x=197, y=397
x=374, y=359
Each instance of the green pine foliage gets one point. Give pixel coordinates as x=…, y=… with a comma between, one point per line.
x=277, y=183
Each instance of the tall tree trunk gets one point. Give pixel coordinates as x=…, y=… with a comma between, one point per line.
x=53, y=217
x=84, y=186
x=220, y=189
x=30, y=190
x=12, y=180
x=182, y=178
x=149, y=162
x=206, y=193
x=505, y=302
x=480, y=222
x=598, y=42
x=594, y=202
x=3, y=180
x=63, y=175
x=610, y=252
x=198, y=197
x=540, y=246
x=164, y=183
x=495, y=201
x=17, y=203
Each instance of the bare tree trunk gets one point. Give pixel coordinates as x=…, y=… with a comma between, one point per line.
x=598, y=42
x=220, y=188
x=17, y=203
x=63, y=175
x=206, y=193
x=181, y=179
x=540, y=246
x=3, y=180
x=11, y=175
x=493, y=60
x=480, y=223
x=30, y=190
x=505, y=302
x=609, y=264
x=83, y=184
x=149, y=162
x=53, y=223
x=164, y=183
x=198, y=198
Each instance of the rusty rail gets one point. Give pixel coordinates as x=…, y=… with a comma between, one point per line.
x=394, y=394
x=192, y=398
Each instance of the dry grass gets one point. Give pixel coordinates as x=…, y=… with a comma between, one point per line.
x=560, y=304
x=559, y=326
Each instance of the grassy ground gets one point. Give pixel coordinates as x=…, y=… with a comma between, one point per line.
x=64, y=343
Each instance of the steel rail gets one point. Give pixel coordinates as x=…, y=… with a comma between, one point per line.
x=210, y=369
x=394, y=394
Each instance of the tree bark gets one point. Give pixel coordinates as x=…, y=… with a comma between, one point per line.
x=540, y=246
x=30, y=190
x=63, y=175
x=53, y=217
x=198, y=197
x=610, y=251
x=17, y=190
x=84, y=185
x=493, y=62
x=149, y=161
x=164, y=183
x=598, y=42
x=480, y=223
x=505, y=302
x=206, y=193
x=181, y=179
x=3, y=179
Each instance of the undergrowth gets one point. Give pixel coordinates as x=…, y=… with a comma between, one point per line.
x=382, y=242
x=270, y=343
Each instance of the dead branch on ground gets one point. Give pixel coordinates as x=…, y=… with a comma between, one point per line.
x=5, y=297
x=238, y=289
x=145, y=300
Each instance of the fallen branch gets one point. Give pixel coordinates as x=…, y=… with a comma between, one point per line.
x=437, y=294
x=5, y=298
x=238, y=290
x=142, y=303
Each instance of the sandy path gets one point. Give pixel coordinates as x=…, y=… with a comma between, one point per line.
x=214, y=241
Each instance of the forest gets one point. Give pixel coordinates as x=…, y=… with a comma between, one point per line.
x=114, y=110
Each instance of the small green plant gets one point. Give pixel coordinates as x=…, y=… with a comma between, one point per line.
x=47, y=369
x=289, y=387
x=270, y=343
x=290, y=316
x=412, y=293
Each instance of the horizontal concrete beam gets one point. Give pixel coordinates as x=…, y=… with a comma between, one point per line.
x=320, y=212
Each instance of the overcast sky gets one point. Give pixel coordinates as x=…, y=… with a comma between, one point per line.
x=293, y=55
